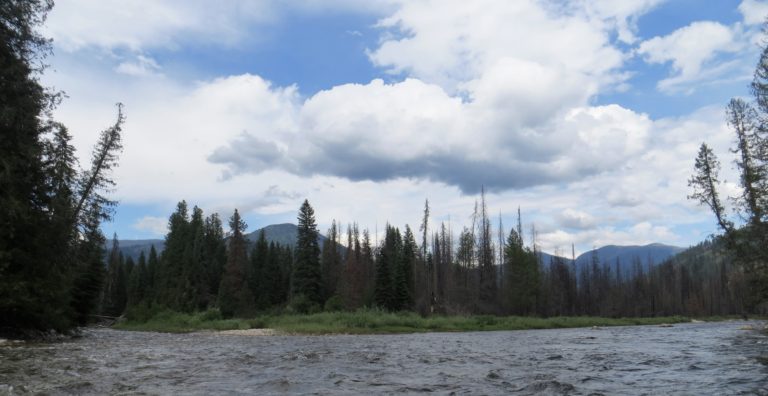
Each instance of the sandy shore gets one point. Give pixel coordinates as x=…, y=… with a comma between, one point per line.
x=250, y=332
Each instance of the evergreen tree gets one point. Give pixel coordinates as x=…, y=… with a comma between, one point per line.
x=271, y=276
x=388, y=264
x=331, y=261
x=34, y=279
x=522, y=276
x=256, y=281
x=215, y=252
x=235, y=297
x=404, y=276
x=307, y=278
x=114, y=296
x=89, y=276
x=194, y=285
x=152, y=275
x=137, y=282
x=172, y=260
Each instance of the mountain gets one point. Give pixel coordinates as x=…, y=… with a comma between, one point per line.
x=133, y=247
x=655, y=253
x=284, y=234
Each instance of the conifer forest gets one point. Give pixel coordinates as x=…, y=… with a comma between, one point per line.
x=59, y=271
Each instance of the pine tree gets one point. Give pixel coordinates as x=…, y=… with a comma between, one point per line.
x=114, y=295
x=136, y=282
x=215, y=252
x=331, y=261
x=307, y=278
x=152, y=275
x=172, y=261
x=272, y=276
x=235, y=297
x=388, y=272
x=522, y=276
x=193, y=286
x=89, y=276
x=256, y=281
x=404, y=282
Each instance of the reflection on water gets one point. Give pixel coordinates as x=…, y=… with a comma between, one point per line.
x=701, y=358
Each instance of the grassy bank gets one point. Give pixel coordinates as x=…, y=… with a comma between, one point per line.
x=373, y=322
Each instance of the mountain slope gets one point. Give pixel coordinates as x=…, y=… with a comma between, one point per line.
x=654, y=253
x=284, y=234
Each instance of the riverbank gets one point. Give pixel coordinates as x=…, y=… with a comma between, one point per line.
x=376, y=322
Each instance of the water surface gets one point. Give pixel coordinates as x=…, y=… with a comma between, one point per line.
x=696, y=358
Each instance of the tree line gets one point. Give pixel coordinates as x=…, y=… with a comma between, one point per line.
x=479, y=272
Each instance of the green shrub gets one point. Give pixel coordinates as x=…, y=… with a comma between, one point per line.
x=334, y=304
x=302, y=304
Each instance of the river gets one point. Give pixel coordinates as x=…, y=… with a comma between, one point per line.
x=696, y=358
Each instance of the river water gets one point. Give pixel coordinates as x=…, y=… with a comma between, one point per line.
x=696, y=358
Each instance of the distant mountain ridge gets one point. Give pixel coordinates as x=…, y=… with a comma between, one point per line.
x=284, y=234
x=654, y=253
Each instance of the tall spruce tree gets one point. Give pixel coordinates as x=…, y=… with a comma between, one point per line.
x=215, y=252
x=256, y=281
x=307, y=279
x=331, y=261
x=235, y=297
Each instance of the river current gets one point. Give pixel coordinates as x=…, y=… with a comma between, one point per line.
x=692, y=359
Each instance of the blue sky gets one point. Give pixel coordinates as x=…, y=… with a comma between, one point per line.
x=587, y=113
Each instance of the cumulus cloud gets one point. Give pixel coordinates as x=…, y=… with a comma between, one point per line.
x=476, y=105
x=155, y=225
x=754, y=12
x=416, y=130
x=694, y=52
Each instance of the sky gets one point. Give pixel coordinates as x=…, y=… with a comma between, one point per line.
x=585, y=114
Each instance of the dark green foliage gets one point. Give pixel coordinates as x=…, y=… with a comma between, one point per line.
x=403, y=280
x=137, y=282
x=331, y=261
x=89, y=275
x=522, y=270
x=256, y=281
x=215, y=252
x=388, y=265
x=235, y=297
x=272, y=278
x=172, y=260
x=307, y=278
x=34, y=280
x=115, y=293
x=152, y=275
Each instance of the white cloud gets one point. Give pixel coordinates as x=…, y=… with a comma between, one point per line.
x=577, y=219
x=754, y=12
x=622, y=15
x=143, y=25
x=142, y=66
x=154, y=225
x=480, y=106
x=452, y=43
x=693, y=52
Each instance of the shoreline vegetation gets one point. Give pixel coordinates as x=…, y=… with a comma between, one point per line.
x=377, y=322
